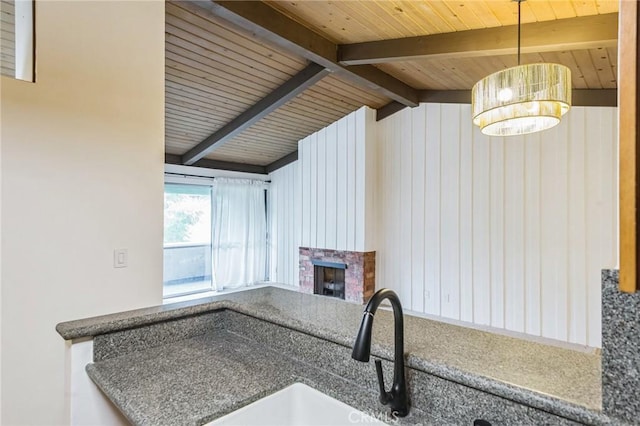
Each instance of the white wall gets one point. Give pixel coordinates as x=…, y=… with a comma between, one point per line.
x=284, y=224
x=338, y=199
x=82, y=174
x=506, y=232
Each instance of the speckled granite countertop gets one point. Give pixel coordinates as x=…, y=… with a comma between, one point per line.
x=562, y=380
x=171, y=385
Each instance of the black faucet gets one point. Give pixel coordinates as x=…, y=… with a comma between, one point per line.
x=397, y=397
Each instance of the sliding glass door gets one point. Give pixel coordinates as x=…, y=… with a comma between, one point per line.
x=187, y=239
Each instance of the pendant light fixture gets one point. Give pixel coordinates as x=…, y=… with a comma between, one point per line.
x=522, y=99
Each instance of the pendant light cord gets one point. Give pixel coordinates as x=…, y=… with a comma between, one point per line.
x=519, y=3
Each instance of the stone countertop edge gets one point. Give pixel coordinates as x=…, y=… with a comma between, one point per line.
x=115, y=395
x=93, y=326
x=137, y=417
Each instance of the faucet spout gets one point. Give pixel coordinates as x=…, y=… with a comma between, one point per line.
x=397, y=397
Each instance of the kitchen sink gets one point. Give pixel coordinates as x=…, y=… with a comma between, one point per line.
x=296, y=405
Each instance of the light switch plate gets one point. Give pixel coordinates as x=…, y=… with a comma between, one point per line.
x=120, y=258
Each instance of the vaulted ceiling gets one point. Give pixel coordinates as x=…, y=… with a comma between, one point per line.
x=246, y=80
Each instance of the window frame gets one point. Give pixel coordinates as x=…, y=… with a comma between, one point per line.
x=188, y=180
x=184, y=179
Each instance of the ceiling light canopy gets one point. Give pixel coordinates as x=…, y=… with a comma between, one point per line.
x=522, y=99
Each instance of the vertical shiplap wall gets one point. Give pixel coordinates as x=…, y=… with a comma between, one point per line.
x=326, y=199
x=284, y=224
x=505, y=232
x=338, y=184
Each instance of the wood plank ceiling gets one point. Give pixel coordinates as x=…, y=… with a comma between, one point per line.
x=224, y=57
x=215, y=71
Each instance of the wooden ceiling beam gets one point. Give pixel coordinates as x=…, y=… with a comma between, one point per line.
x=287, y=91
x=594, y=97
x=584, y=32
x=269, y=25
x=281, y=162
x=218, y=165
x=388, y=110
x=580, y=97
x=446, y=96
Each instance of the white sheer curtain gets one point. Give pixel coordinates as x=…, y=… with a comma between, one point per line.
x=239, y=245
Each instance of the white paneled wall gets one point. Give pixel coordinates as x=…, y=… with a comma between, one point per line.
x=338, y=170
x=326, y=199
x=284, y=224
x=509, y=233
x=505, y=232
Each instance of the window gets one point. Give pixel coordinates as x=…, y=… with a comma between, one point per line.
x=17, y=44
x=187, y=239
x=215, y=234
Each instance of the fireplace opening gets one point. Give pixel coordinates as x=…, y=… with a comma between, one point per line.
x=329, y=279
x=359, y=269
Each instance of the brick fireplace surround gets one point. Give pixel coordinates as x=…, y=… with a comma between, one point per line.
x=360, y=275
